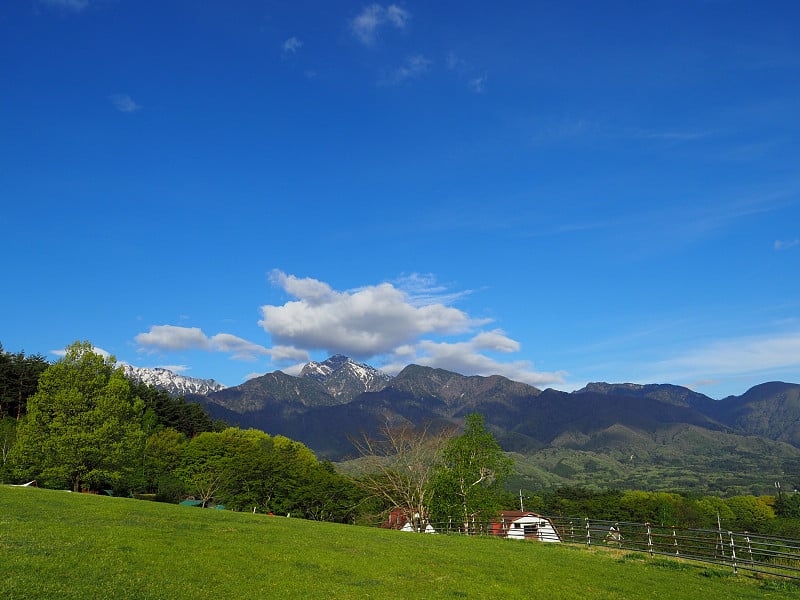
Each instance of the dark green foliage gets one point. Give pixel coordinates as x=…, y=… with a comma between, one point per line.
x=188, y=418
x=19, y=376
x=788, y=505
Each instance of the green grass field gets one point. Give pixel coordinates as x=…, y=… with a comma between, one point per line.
x=60, y=545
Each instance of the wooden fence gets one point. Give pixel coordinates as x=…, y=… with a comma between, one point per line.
x=740, y=551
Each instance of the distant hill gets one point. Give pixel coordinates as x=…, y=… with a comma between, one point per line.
x=625, y=435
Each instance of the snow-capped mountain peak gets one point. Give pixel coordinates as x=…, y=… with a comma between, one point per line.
x=172, y=383
x=342, y=377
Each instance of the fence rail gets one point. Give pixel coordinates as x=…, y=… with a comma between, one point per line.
x=740, y=551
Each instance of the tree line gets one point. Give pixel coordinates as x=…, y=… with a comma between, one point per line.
x=771, y=515
x=81, y=424
x=86, y=427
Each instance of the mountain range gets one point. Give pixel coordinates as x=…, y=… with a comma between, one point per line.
x=654, y=436
x=172, y=383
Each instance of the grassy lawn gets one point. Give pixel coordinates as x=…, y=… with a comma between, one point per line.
x=58, y=544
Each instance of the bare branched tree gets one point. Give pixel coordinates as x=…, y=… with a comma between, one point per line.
x=399, y=465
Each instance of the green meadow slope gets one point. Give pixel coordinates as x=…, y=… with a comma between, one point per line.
x=59, y=544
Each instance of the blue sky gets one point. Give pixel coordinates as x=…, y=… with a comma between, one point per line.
x=559, y=192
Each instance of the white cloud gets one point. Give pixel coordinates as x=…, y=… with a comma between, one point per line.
x=72, y=5
x=124, y=103
x=468, y=358
x=240, y=348
x=369, y=321
x=390, y=320
x=292, y=45
x=170, y=338
x=414, y=67
x=366, y=25
x=785, y=244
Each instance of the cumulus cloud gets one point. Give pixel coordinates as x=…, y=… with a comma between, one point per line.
x=785, y=244
x=367, y=24
x=124, y=103
x=389, y=324
x=369, y=321
x=395, y=322
x=171, y=337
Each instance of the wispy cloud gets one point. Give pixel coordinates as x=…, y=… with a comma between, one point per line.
x=292, y=45
x=736, y=356
x=466, y=72
x=373, y=18
x=785, y=244
x=414, y=67
x=70, y=5
x=668, y=135
x=124, y=103
x=423, y=289
x=478, y=84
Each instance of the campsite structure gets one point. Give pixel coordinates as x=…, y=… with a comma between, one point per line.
x=524, y=525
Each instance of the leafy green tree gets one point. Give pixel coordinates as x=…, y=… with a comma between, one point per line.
x=163, y=453
x=713, y=511
x=750, y=513
x=660, y=508
x=83, y=427
x=326, y=495
x=205, y=465
x=469, y=481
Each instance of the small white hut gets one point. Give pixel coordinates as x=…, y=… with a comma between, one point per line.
x=519, y=525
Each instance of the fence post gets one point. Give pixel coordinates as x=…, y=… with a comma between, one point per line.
x=649, y=540
x=675, y=541
x=588, y=533
x=749, y=546
x=733, y=554
x=572, y=531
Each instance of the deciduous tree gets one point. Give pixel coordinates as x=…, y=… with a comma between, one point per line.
x=83, y=426
x=399, y=465
x=469, y=481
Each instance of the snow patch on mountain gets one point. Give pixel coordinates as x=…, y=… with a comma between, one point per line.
x=343, y=377
x=172, y=383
